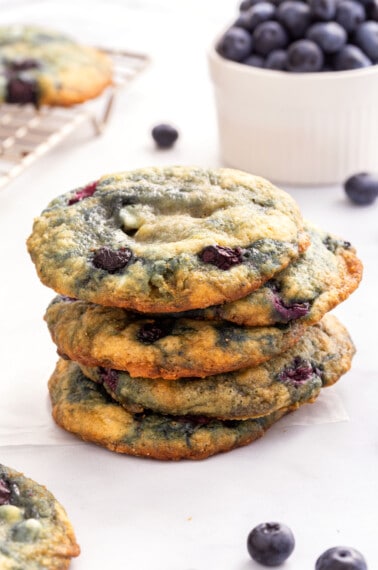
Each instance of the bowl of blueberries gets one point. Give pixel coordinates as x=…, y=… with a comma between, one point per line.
x=296, y=89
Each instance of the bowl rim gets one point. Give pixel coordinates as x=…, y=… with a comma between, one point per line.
x=237, y=66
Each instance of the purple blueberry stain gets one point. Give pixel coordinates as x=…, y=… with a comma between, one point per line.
x=85, y=192
x=153, y=331
x=290, y=312
x=109, y=376
x=5, y=492
x=112, y=260
x=222, y=257
x=298, y=373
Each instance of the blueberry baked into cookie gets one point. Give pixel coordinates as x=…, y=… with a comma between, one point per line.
x=192, y=311
x=35, y=533
x=167, y=239
x=44, y=67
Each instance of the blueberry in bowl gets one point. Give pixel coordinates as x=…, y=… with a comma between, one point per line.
x=296, y=89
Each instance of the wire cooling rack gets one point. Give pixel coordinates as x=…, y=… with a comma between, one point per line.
x=27, y=133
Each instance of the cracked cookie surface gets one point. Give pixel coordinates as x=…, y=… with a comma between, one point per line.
x=35, y=532
x=318, y=359
x=167, y=239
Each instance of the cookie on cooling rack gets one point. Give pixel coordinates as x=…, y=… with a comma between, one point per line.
x=323, y=354
x=167, y=348
x=83, y=408
x=166, y=239
x=44, y=67
x=321, y=278
x=35, y=532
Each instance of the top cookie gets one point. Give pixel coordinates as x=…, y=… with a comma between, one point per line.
x=35, y=533
x=167, y=239
x=44, y=67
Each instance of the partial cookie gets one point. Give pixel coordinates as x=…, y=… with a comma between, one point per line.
x=44, y=67
x=167, y=239
x=95, y=335
x=323, y=354
x=85, y=409
x=35, y=533
x=321, y=278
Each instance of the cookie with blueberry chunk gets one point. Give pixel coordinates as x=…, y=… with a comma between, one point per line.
x=321, y=278
x=323, y=354
x=168, y=348
x=167, y=239
x=82, y=407
x=35, y=532
x=44, y=67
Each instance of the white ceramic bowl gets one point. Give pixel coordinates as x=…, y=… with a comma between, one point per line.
x=299, y=129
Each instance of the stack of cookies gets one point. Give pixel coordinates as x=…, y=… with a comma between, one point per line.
x=192, y=309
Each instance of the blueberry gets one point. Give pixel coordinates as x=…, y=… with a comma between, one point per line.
x=236, y=44
x=341, y=558
x=255, y=60
x=304, y=56
x=22, y=65
x=297, y=373
x=269, y=36
x=350, y=57
x=290, y=312
x=366, y=38
x=85, y=192
x=22, y=90
x=164, y=135
x=362, y=188
x=349, y=14
x=295, y=16
x=271, y=543
x=329, y=36
x=323, y=9
x=111, y=260
x=221, y=257
x=151, y=332
x=109, y=376
x=372, y=10
x=5, y=492
x=261, y=12
x=277, y=59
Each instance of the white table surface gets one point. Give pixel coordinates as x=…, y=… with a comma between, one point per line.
x=319, y=477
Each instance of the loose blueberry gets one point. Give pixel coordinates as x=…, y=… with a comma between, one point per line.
x=164, y=135
x=329, y=36
x=350, y=57
x=349, y=14
x=304, y=56
x=255, y=61
x=261, y=12
x=270, y=543
x=109, y=377
x=22, y=91
x=269, y=36
x=277, y=59
x=151, y=332
x=341, y=558
x=362, y=188
x=236, y=44
x=323, y=9
x=112, y=259
x=221, y=257
x=295, y=16
x=366, y=38
x=85, y=192
x=5, y=492
x=297, y=373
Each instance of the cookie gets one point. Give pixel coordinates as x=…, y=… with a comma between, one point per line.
x=168, y=348
x=322, y=355
x=321, y=278
x=166, y=239
x=82, y=407
x=43, y=67
x=35, y=533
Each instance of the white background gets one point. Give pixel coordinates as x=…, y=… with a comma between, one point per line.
x=319, y=477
